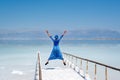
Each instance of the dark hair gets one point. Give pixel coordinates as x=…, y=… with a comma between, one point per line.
x=56, y=36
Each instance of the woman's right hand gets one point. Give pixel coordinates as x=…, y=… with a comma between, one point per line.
x=65, y=31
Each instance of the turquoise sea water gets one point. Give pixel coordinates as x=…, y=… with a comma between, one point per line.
x=18, y=57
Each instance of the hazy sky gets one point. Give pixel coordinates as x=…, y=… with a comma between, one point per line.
x=59, y=14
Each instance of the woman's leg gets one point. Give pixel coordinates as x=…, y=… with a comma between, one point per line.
x=64, y=62
x=47, y=62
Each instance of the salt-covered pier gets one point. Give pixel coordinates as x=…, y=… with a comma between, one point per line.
x=72, y=71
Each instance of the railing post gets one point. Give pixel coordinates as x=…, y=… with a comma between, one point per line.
x=76, y=61
x=87, y=67
x=40, y=73
x=72, y=59
x=95, y=72
x=80, y=63
x=106, y=74
x=69, y=57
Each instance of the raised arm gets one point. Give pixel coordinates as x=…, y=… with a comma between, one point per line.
x=63, y=34
x=48, y=33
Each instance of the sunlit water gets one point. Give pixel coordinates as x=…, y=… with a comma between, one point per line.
x=18, y=58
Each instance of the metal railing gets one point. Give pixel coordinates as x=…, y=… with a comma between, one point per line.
x=38, y=72
x=75, y=59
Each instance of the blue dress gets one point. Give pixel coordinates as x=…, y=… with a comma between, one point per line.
x=56, y=53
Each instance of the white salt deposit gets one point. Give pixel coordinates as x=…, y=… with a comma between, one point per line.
x=17, y=72
x=60, y=74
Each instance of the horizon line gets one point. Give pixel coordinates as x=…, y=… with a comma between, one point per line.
x=63, y=39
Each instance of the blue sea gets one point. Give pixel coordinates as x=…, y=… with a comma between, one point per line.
x=18, y=57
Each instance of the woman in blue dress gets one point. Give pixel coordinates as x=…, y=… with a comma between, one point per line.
x=56, y=53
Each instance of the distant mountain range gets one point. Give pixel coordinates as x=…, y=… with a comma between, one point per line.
x=95, y=34
x=73, y=34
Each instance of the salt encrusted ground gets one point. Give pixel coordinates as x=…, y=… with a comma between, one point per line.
x=60, y=74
